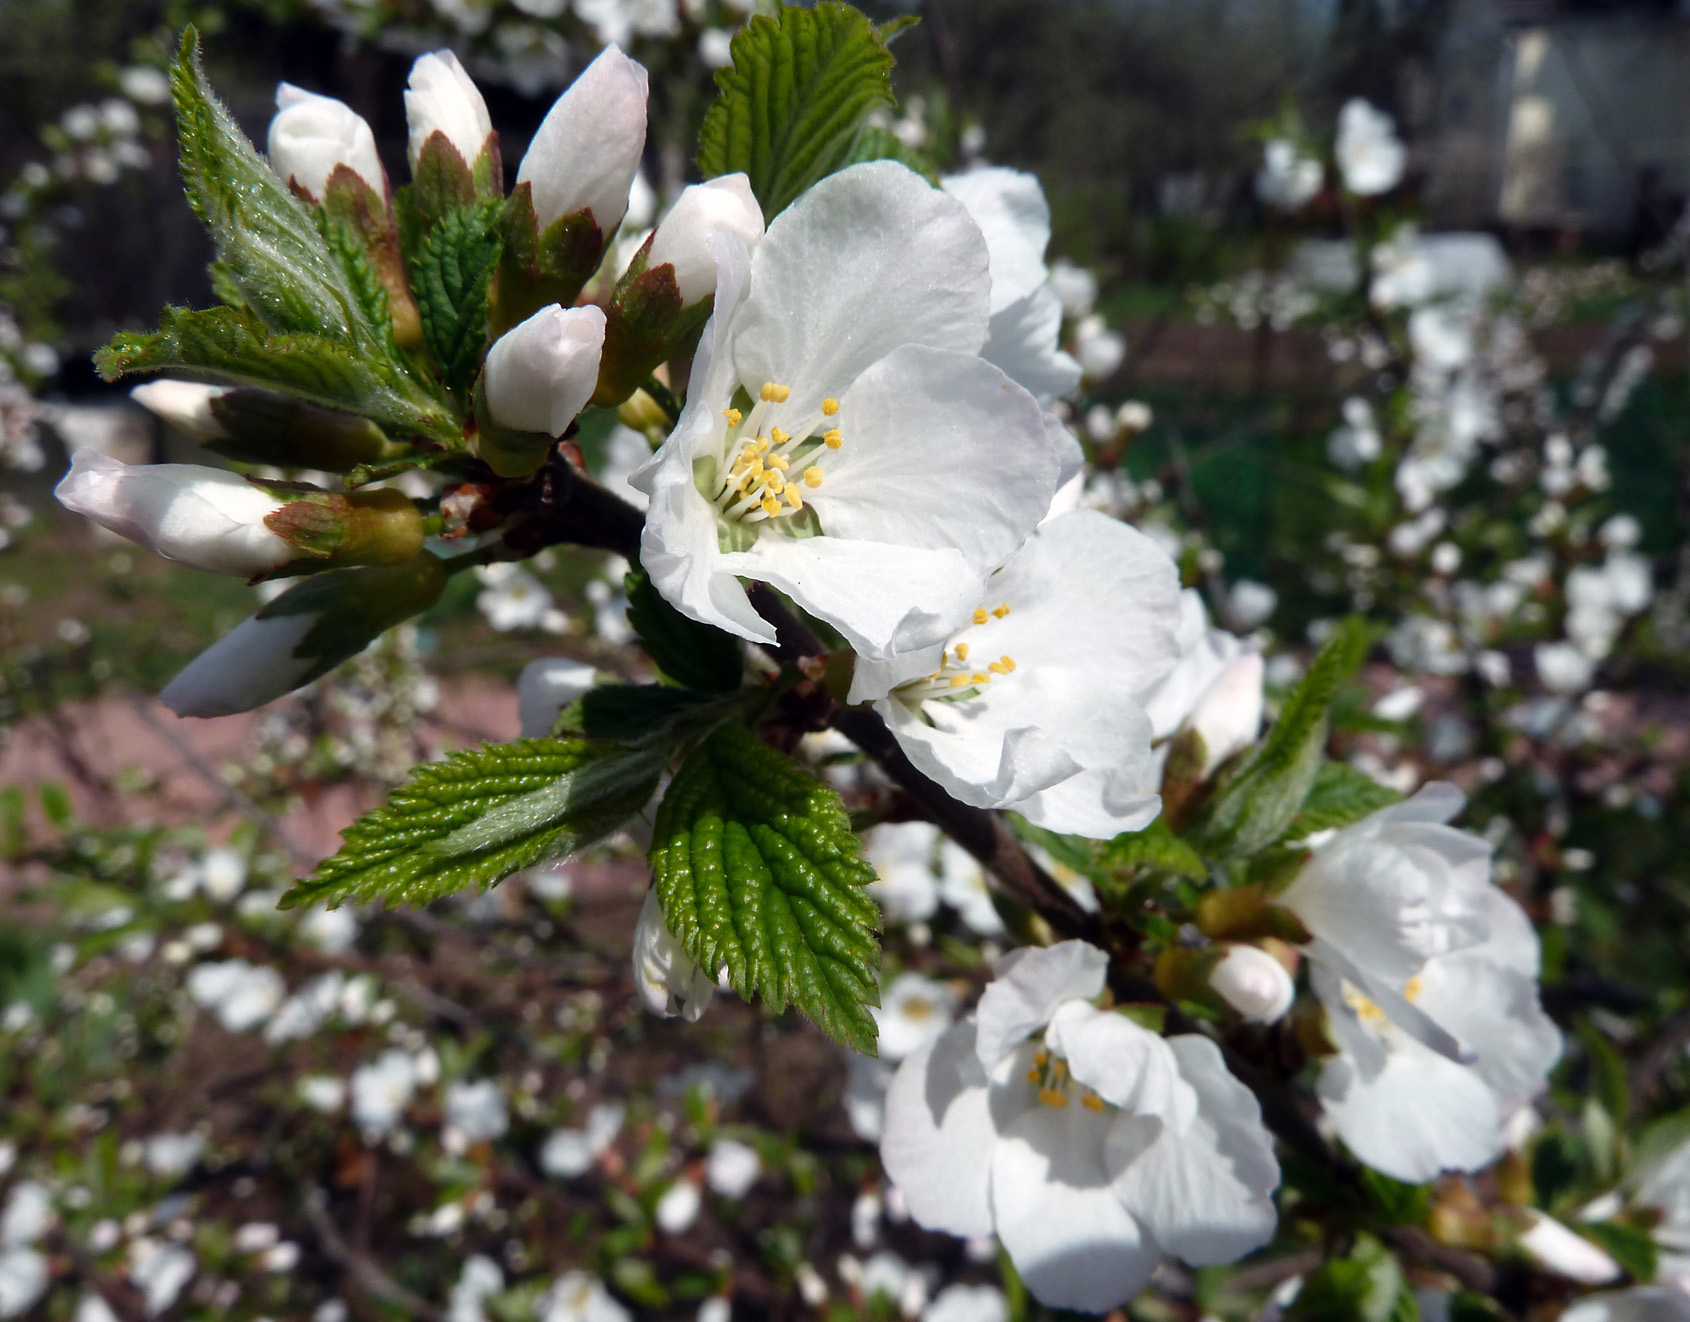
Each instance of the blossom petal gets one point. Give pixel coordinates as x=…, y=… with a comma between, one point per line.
x=1009, y=207
x=1128, y=1066
x=939, y=1135
x=940, y=449
x=1025, y=340
x=1028, y=986
x=1070, y=1238
x=871, y=258
x=1096, y=804
x=1205, y=1194
x=881, y=596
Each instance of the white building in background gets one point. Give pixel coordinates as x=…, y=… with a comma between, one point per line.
x=1560, y=115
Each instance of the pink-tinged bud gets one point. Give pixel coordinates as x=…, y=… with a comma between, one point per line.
x=205, y=517
x=1254, y=983
x=1229, y=715
x=721, y=206
x=310, y=135
x=441, y=98
x=541, y=374
x=185, y=405
x=587, y=149
x=1555, y=1248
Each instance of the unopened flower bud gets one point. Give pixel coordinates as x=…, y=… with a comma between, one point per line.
x=723, y=205
x=1555, y=1248
x=540, y=375
x=669, y=982
x=185, y=405
x=1254, y=983
x=587, y=149
x=441, y=98
x=259, y=427
x=205, y=517
x=1229, y=715
x=310, y=135
x=303, y=634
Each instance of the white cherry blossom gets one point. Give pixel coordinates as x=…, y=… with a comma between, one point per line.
x=1428, y=973
x=1038, y=703
x=843, y=441
x=913, y=1010
x=1089, y=1145
x=587, y=149
x=1289, y=178
x=440, y=97
x=1370, y=155
x=310, y=135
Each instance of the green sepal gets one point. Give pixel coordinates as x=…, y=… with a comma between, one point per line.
x=452, y=270
x=483, y=814
x=508, y=452
x=233, y=345
x=1254, y=805
x=443, y=182
x=758, y=872
x=795, y=99
x=537, y=269
x=356, y=528
x=1154, y=849
x=696, y=656
x=645, y=325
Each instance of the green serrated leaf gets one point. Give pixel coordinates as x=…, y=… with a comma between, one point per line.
x=453, y=267
x=875, y=143
x=1340, y=795
x=795, y=98
x=694, y=655
x=758, y=872
x=270, y=255
x=1396, y=1202
x=1256, y=803
x=1630, y=1247
x=234, y=346
x=627, y=711
x=348, y=250
x=483, y=814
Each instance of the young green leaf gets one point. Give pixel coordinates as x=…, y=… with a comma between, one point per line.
x=758, y=871
x=269, y=250
x=453, y=266
x=1340, y=795
x=627, y=711
x=1156, y=848
x=1256, y=804
x=694, y=655
x=483, y=814
x=795, y=99
x=233, y=345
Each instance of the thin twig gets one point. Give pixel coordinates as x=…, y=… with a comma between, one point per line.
x=365, y=1274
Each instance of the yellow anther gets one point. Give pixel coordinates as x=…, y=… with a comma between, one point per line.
x=1411, y=993
x=1002, y=610
x=771, y=506
x=1007, y=662
x=1092, y=1102
x=777, y=436
x=830, y=406
x=1053, y=1097
x=1041, y=1058
x=734, y=417
x=962, y=651
x=774, y=394
x=778, y=464
x=812, y=477
x=833, y=438
x=981, y=677
x=795, y=498
x=980, y=616
x=959, y=681
x=759, y=446
x=1033, y=1076
x=998, y=668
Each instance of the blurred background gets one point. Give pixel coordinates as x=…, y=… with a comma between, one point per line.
x=463, y=1113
